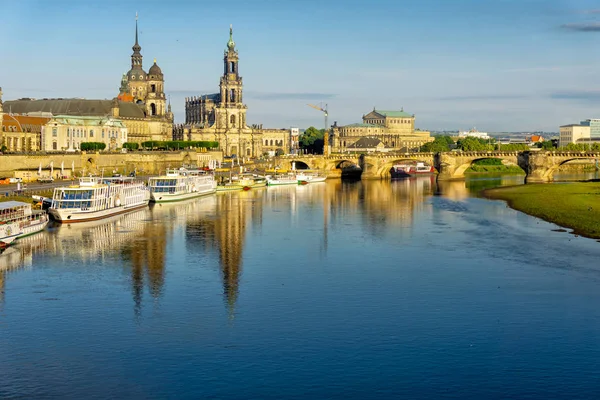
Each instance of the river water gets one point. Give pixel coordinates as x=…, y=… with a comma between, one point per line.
x=338, y=290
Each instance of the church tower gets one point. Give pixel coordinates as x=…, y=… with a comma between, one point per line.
x=155, y=98
x=136, y=77
x=231, y=86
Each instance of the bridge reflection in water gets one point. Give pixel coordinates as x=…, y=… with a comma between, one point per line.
x=149, y=242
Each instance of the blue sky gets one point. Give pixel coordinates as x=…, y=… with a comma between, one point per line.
x=500, y=65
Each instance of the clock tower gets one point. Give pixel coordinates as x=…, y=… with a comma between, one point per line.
x=231, y=109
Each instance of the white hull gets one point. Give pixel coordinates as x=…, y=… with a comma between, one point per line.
x=34, y=227
x=282, y=181
x=310, y=178
x=76, y=215
x=168, y=197
x=20, y=222
x=180, y=184
x=9, y=233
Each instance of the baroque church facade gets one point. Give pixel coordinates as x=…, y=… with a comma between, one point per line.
x=221, y=116
x=140, y=106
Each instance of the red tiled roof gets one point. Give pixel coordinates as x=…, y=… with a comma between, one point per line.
x=23, y=123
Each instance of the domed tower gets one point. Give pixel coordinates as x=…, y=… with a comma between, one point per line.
x=136, y=77
x=155, y=98
x=231, y=87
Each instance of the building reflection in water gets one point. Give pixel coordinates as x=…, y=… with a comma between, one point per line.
x=226, y=232
x=219, y=224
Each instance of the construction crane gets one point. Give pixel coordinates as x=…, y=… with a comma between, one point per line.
x=326, y=133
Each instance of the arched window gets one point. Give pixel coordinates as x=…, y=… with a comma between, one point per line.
x=152, y=109
x=248, y=151
x=232, y=95
x=271, y=142
x=232, y=120
x=232, y=67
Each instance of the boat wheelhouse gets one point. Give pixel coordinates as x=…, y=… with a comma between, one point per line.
x=181, y=184
x=96, y=198
x=17, y=219
x=276, y=180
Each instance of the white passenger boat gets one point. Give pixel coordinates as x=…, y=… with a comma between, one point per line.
x=275, y=180
x=96, y=198
x=17, y=219
x=181, y=184
x=309, y=177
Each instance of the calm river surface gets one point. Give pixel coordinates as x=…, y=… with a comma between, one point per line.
x=337, y=290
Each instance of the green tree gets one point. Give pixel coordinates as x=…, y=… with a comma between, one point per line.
x=547, y=145
x=439, y=144
x=312, y=140
x=474, y=144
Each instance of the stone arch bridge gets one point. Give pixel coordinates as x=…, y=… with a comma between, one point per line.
x=539, y=166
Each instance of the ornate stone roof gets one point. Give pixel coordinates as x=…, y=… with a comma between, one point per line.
x=394, y=114
x=155, y=69
x=74, y=107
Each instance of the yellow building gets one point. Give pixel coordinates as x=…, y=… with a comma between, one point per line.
x=573, y=133
x=394, y=129
x=221, y=117
x=67, y=132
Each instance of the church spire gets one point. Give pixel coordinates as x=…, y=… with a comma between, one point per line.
x=136, y=57
x=230, y=43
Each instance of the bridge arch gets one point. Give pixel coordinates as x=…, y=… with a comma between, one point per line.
x=298, y=164
x=460, y=170
x=548, y=175
x=384, y=169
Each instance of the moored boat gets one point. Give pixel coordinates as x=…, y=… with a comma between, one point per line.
x=408, y=170
x=96, y=198
x=310, y=177
x=181, y=184
x=275, y=180
x=17, y=219
x=243, y=182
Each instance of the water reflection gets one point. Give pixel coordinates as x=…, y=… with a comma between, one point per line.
x=148, y=242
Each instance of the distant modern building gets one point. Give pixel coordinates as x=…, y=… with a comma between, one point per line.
x=594, y=125
x=573, y=133
x=473, y=133
x=394, y=129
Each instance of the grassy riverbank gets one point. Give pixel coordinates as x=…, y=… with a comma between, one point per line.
x=572, y=205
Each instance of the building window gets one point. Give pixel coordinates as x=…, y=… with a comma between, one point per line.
x=54, y=146
x=54, y=132
x=271, y=142
x=152, y=109
x=91, y=133
x=232, y=120
x=102, y=133
x=153, y=88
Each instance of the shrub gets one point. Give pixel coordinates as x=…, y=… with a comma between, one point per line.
x=85, y=146
x=131, y=146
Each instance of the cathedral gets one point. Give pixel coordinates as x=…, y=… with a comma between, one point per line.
x=140, y=106
x=221, y=117
x=147, y=91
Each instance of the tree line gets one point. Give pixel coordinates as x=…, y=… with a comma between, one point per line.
x=154, y=145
